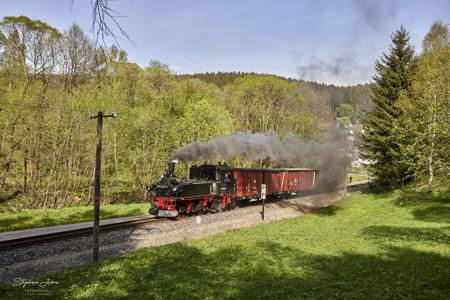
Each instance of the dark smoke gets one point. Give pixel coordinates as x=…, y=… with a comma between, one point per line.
x=318, y=69
x=370, y=19
x=376, y=13
x=329, y=157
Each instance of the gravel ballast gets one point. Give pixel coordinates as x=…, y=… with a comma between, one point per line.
x=40, y=260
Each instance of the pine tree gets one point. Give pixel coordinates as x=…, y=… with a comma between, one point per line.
x=394, y=73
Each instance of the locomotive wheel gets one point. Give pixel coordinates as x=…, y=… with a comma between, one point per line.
x=199, y=208
x=242, y=202
x=215, y=206
x=153, y=211
x=233, y=204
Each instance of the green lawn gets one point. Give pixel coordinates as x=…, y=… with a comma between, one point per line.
x=369, y=246
x=32, y=218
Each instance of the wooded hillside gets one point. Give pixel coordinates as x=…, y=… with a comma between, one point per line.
x=51, y=80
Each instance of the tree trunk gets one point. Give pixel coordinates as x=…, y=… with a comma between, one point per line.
x=430, y=163
x=115, y=152
x=430, y=174
x=25, y=171
x=430, y=157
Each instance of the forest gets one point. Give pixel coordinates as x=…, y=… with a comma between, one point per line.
x=50, y=81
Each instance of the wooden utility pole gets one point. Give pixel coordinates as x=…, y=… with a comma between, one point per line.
x=98, y=164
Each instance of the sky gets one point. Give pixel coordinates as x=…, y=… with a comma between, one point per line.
x=335, y=42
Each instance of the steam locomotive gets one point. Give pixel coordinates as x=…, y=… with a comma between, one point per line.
x=213, y=188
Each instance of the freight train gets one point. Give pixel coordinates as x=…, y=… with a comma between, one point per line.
x=213, y=188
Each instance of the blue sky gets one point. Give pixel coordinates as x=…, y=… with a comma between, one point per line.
x=327, y=41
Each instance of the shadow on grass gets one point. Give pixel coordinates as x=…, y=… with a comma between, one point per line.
x=266, y=270
x=409, y=197
x=308, y=208
x=310, y=201
x=438, y=214
x=437, y=235
x=301, y=207
x=6, y=222
x=376, y=190
x=328, y=211
x=428, y=207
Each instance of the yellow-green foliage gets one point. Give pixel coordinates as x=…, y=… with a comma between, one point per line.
x=157, y=114
x=49, y=82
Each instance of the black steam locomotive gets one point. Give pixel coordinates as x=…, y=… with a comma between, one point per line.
x=209, y=188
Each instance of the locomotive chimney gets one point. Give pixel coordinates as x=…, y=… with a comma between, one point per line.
x=172, y=163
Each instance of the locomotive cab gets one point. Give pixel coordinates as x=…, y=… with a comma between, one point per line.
x=204, y=172
x=222, y=175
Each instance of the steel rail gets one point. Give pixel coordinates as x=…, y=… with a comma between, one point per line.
x=72, y=233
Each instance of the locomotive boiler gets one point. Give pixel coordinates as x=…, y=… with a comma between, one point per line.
x=212, y=188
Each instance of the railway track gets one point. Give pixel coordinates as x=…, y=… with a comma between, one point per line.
x=11, y=240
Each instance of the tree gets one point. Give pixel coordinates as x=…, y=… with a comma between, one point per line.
x=32, y=43
x=426, y=112
x=394, y=73
x=31, y=52
x=262, y=103
x=437, y=36
x=346, y=110
x=159, y=75
x=77, y=56
x=104, y=20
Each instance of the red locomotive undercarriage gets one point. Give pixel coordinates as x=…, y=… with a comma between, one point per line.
x=216, y=187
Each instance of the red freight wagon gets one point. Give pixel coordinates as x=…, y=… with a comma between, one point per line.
x=298, y=179
x=273, y=179
x=248, y=182
x=277, y=181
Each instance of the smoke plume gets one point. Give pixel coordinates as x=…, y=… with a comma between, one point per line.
x=375, y=13
x=329, y=156
x=334, y=68
x=341, y=70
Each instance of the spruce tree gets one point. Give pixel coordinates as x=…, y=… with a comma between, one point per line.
x=380, y=144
